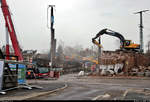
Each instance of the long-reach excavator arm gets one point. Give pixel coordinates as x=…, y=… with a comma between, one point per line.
x=125, y=44
x=11, y=30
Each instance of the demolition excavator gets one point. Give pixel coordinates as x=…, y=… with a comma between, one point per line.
x=125, y=45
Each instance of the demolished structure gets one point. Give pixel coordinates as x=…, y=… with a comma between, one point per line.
x=128, y=60
x=124, y=63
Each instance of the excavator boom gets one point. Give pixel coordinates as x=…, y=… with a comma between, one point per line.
x=112, y=33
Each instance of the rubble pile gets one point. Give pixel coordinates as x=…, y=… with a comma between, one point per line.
x=124, y=63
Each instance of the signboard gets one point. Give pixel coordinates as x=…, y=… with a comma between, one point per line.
x=1, y=73
x=12, y=67
x=21, y=72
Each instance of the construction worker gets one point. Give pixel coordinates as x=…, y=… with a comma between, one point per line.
x=29, y=74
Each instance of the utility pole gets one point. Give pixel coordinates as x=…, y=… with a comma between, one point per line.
x=99, y=53
x=54, y=51
x=148, y=47
x=99, y=50
x=141, y=29
x=53, y=40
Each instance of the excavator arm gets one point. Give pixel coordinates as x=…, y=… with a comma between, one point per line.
x=109, y=32
x=98, y=35
x=96, y=43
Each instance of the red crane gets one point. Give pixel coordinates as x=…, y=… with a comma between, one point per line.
x=11, y=30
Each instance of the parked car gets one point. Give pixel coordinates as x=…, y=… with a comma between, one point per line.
x=39, y=72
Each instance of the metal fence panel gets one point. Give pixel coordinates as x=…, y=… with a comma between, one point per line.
x=1, y=73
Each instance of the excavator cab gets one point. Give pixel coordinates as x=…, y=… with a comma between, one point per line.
x=128, y=44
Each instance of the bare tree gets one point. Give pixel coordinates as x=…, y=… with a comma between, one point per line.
x=60, y=55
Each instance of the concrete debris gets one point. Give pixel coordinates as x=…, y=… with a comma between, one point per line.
x=81, y=73
x=134, y=70
x=103, y=72
x=118, y=68
x=147, y=74
x=140, y=74
x=112, y=69
x=124, y=63
x=133, y=74
x=111, y=72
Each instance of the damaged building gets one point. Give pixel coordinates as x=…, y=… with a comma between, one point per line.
x=124, y=63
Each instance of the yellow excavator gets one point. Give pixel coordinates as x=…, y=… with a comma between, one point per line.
x=90, y=59
x=96, y=43
x=125, y=44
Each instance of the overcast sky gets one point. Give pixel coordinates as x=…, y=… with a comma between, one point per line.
x=76, y=21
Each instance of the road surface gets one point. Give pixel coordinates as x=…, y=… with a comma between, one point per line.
x=100, y=89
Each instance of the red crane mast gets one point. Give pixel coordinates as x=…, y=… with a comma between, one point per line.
x=11, y=30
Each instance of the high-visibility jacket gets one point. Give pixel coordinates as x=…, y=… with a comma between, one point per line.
x=29, y=73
